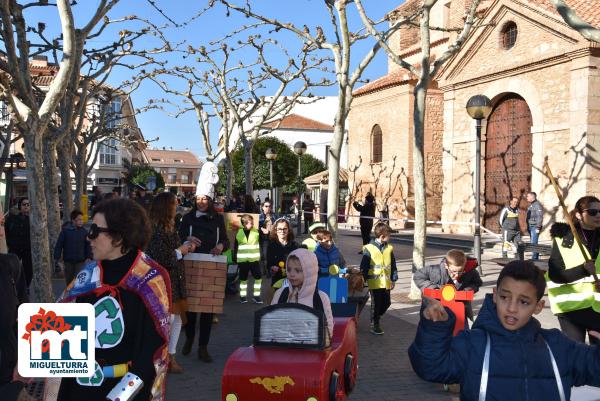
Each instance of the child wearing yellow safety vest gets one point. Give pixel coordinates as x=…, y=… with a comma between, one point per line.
x=378, y=266
x=246, y=253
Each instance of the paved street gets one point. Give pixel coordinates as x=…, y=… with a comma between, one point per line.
x=384, y=374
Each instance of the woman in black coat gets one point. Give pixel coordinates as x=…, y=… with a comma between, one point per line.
x=208, y=234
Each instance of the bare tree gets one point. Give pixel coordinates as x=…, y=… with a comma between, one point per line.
x=32, y=119
x=347, y=77
x=574, y=21
x=34, y=109
x=87, y=92
x=425, y=72
x=231, y=87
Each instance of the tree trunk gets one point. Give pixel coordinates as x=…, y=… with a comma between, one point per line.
x=38, y=218
x=80, y=174
x=230, y=178
x=248, y=168
x=333, y=186
x=420, y=235
x=52, y=202
x=64, y=164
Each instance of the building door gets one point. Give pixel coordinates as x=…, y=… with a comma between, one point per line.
x=508, y=157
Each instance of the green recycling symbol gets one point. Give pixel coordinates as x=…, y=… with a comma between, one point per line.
x=109, y=323
x=94, y=381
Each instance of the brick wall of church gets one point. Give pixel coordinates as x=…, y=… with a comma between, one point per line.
x=391, y=181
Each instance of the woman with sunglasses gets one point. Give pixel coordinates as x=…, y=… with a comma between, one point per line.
x=131, y=295
x=165, y=247
x=571, y=289
x=281, y=243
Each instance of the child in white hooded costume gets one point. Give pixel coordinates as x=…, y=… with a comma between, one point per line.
x=302, y=271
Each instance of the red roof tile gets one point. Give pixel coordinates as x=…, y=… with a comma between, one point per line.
x=294, y=121
x=588, y=10
x=396, y=78
x=168, y=157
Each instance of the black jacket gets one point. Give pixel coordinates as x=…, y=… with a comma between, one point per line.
x=278, y=253
x=366, y=210
x=556, y=264
x=205, y=229
x=12, y=294
x=18, y=238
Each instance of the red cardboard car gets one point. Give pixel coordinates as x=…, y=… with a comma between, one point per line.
x=291, y=359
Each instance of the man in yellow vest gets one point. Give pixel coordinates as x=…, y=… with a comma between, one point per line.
x=246, y=253
x=378, y=266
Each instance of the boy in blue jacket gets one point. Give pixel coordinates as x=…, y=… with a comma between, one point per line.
x=328, y=255
x=506, y=355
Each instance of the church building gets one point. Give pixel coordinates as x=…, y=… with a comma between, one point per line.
x=544, y=83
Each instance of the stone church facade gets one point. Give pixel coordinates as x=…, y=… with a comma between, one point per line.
x=544, y=82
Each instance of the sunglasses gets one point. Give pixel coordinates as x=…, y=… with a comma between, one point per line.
x=95, y=231
x=24, y=204
x=592, y=212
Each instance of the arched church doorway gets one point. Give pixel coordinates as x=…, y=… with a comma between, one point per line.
x=508, y=157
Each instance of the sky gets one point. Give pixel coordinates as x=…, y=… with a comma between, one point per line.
x=183, y=132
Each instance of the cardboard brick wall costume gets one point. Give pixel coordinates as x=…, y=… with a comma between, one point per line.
x=205, y=277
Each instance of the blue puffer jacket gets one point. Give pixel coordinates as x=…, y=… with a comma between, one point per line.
x=327, y=258
x=520, y=366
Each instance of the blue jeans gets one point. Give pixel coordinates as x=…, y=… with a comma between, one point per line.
x=534, y=233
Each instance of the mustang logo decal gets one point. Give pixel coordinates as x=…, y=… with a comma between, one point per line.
x=274, y=385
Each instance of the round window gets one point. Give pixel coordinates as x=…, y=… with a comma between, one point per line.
x=508, y=35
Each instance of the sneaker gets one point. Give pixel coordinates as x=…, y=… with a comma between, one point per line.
x=257, y=300
x=377, y=330
x=243, y=300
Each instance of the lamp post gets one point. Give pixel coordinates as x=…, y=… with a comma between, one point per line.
x=299, y=149
x=271, y=155
x=479, y=107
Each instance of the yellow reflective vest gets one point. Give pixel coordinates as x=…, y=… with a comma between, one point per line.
x=380, y=271
x=248, y=249
x=580, y=294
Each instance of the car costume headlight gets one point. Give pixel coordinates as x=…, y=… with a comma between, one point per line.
x=231, y=397
x=312, y=399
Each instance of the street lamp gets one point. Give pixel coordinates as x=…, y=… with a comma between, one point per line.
x=479, y=107
x=299, y=149
x=271, y=155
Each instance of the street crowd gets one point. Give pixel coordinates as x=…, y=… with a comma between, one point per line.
x=502, y=354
